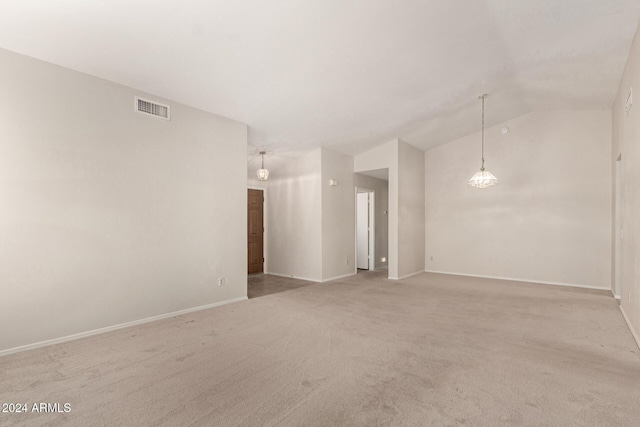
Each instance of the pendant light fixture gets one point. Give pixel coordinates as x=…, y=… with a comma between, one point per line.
x=263, y=174
x=483, y=178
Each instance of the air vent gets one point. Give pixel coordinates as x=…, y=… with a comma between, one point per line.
x=153, y=108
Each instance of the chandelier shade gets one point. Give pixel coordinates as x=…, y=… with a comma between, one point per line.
x=262, y=173
x=483, y=178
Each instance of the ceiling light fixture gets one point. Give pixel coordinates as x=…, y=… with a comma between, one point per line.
x=263, y=174
x=483, y=178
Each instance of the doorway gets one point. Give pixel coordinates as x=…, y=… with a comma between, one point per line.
x=255, y=231
x=365, y=229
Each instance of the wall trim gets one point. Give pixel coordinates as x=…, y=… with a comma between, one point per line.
x=573, y=285
x=115, y=327
x=291, y=276
x=406, y=276
x=339, y=277
x=634, y=334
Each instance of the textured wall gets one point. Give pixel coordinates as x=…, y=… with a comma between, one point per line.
x=626, y=142
x=294, y=215
x=338, y=215
x=411, y=208
x=406, y=203
x=109, y=216
x=547, y=220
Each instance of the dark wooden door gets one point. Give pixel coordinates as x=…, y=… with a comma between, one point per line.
x=255, y=231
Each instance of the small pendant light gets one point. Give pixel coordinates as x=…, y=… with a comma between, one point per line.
x=483, y=178
x=263, y=174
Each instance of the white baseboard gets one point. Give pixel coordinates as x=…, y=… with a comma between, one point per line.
x=512, y=279
x=409, y=275
x=339, y=277
x=115, y=327
x=635, y=335
x=290, y=276
x=405, y=276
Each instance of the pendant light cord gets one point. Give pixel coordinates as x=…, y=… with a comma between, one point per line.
x=482, y=178
x=483, y=96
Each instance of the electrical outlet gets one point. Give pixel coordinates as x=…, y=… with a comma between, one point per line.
x=346, y=261
x=221, y=281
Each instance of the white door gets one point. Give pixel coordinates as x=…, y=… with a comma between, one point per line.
x=362, y=230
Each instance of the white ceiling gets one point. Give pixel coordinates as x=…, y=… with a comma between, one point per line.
x=382, y=174
x=347, y=74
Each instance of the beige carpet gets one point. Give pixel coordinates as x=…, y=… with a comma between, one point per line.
x=429, y=350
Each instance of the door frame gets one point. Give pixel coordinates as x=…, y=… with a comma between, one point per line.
x=265, y=222
x=372, y=228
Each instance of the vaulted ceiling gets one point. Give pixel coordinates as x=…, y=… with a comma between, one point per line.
x=346, y=74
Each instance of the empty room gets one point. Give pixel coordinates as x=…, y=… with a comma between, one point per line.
x=320, y=213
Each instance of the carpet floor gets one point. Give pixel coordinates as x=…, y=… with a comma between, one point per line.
x=430, y=350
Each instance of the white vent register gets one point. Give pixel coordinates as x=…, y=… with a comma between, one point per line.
x=153, y=108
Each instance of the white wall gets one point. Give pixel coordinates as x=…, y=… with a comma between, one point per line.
x=385, y=156
x=626, y=141
x=381, y=188
x=295, y=218
x=548, y=220
x=253, y=182
x=411, y=210
x=406, y=203
x=107, y=215
x=338, y=215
